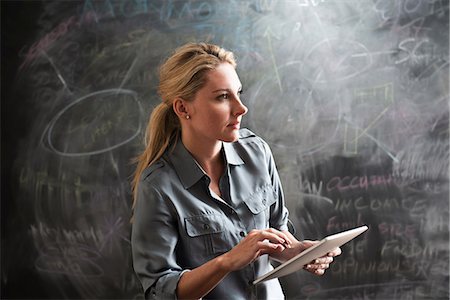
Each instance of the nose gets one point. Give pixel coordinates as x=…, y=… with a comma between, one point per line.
x=240, y=109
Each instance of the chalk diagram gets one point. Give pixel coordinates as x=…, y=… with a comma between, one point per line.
x=302, y=106
x=297, y=105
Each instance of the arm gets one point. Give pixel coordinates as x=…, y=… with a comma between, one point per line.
x=201, y=280
x=154, y=238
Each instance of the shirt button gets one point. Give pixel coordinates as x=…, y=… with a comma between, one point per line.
x=205, y=226
x=242, y=233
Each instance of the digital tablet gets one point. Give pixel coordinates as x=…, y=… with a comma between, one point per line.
x=318, y=250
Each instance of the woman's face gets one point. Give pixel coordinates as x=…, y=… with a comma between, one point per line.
x=216, y=111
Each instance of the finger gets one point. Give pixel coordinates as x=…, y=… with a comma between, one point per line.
x=271, y=236
x=317, y=266
x=315, y=271
x=335, y=252
x=319, y=272
x=324, y=260
x=307, y=243
x=266, y=247
x=281, y=234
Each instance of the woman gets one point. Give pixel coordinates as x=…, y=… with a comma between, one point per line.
x=208, y=203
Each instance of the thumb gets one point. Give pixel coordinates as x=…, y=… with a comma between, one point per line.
x=306, y=244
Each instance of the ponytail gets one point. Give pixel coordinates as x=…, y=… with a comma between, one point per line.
x=162, y=128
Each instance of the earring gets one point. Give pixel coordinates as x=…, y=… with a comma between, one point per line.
x=187, y=117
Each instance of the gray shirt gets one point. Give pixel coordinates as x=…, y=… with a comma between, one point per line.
x=179, y=224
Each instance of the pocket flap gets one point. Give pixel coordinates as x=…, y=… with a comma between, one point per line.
x=204, y=224
x=261, y=199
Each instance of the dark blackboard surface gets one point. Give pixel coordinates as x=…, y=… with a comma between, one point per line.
x=352, y=95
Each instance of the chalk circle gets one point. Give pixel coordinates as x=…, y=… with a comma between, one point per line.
x=334, y=60
x=291, y=113
x=96, y=123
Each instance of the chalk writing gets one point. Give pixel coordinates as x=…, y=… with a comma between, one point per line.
x=336, y=224
x=359, y=182
x=415, y=207
x=91, y=146
x=428, y=161
x=47, y=40
x=104, y=9
x=69, y=261
x=411, y=249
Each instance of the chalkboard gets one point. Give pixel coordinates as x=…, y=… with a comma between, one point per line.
x=352, y=96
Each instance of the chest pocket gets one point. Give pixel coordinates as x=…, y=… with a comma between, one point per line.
x=207, y=234
x=259, y=205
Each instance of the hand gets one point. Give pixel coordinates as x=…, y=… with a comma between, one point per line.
x=319, y=265
x=255, y=244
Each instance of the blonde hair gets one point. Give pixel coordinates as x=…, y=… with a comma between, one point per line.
x=181, y=75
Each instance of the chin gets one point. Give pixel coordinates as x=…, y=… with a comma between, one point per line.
x=231, y=138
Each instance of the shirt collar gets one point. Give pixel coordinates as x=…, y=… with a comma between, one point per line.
x=188, y=169
x=231, y=156
x=185, y=165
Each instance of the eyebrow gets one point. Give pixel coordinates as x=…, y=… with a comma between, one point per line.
x=225, y=90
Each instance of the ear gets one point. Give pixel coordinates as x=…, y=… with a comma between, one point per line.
x=181, y=107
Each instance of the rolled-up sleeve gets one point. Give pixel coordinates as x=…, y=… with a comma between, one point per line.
x=278, y=212
x=154, y=238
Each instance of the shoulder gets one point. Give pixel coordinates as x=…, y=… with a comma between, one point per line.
x=155, y=181
x=246, y=136
x=151, y=169
x=252, y=145
x=159, y=170
x=245, y=133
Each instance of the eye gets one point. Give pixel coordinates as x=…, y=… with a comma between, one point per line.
x=223, y=96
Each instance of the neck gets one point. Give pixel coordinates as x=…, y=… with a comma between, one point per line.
x=206, y=152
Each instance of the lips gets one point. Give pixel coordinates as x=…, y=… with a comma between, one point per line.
x=235, y=125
